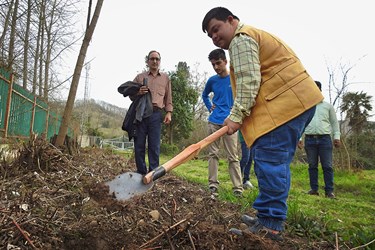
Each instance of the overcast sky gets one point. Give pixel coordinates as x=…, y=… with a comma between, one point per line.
x=323, y=33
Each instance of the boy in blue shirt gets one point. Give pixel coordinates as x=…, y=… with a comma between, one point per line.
x=219, y=107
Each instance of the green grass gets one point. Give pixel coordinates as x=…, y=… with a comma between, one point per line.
x=351, y=216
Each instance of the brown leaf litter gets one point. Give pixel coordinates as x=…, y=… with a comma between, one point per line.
x=51, y=200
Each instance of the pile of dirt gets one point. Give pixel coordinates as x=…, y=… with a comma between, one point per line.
x=50, y=200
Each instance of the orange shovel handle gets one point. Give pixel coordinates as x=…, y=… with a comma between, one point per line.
x=187, y=154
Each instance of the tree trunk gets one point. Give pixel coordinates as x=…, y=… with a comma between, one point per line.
x=76, y=76
x=6, y=24
x=26, y=46
x=12, y=36
x=41, y=51
x=37, y=54
x=48, y=51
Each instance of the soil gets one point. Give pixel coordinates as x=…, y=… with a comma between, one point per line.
x=51, y=200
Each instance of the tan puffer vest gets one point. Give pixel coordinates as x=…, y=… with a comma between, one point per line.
x=286, y=89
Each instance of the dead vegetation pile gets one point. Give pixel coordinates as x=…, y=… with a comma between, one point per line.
x=51, y=200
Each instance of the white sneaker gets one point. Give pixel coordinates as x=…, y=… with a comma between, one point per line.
x=248, y=185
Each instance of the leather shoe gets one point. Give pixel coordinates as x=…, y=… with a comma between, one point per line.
x=330, y=195
x=313, y=192
x=262, y=231
x=248, y=220
x=238, y=194
x=236, y=231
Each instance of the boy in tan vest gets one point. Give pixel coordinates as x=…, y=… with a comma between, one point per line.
x=274, y=101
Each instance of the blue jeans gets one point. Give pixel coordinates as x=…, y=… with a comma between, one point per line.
x=245, y=162
x=273, y=153
x=149, y=128
x=320, y=148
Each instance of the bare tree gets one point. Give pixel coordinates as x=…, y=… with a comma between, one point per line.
x=41, y=51
x=37, y=53
x=198, y=81
x=50, y=39
x=26, y=45
x=34, y=36
x=12, y=36
x=76, y=76
x=58, y=36
x=6, y=23
x=339, y=82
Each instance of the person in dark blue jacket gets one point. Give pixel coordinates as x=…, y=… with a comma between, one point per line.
x=245, y=162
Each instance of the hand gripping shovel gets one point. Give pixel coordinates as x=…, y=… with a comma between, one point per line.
x=129, y=184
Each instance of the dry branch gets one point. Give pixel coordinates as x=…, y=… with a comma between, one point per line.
x=160, y=235
x=23, y=233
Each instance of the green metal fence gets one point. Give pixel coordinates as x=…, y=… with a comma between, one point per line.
x=23, y=113
x=4, y=90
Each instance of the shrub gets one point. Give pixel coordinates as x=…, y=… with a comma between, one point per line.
x=168, y=149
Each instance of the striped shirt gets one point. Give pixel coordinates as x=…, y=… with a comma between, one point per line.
x=244, y=58
x=160, y=88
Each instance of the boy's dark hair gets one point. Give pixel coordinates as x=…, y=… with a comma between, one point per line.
x=319, y=85
x=219, y=13
x=217, y=54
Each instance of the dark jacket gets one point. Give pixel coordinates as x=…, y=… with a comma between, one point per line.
x=140, y=108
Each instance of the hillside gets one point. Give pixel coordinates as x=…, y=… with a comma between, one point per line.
x=102, y=117
x=96, y=117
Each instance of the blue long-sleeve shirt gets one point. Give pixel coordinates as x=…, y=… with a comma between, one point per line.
x=222, y=98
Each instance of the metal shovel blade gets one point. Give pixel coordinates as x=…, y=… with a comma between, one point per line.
x=127, y=185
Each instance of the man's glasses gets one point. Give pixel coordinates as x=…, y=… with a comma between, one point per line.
x=154, y=59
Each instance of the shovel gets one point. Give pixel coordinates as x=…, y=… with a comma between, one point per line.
x=129, y=184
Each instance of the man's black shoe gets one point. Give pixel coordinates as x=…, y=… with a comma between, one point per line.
x=330, y=195
x=313, y=192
